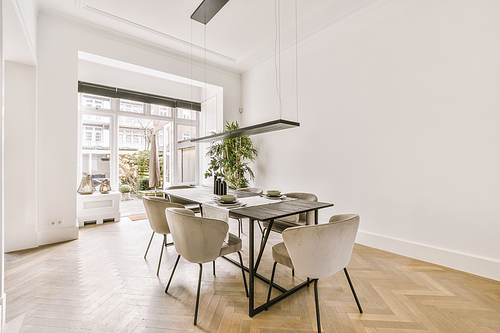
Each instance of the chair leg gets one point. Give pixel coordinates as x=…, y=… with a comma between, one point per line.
x=317, y=304
x=198, y=296
x=161, y=254
x=243, y=273
x=270, y=286
x=167, y=244
x=214, y=267
x=173, y=271
x=353, y=292
x=145, y=254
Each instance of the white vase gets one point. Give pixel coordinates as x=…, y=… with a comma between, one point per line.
x=126, y=196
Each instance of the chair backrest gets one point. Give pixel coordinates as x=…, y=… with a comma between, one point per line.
x=307, y=218
x=196, y=239
x=177, y=200
x=319, y=251
x=155, y=209
x=252, y=190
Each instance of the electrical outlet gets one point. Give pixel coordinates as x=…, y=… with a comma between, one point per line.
x=56, y=222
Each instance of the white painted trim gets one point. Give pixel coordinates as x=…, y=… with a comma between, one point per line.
x=57, y=235
x=2, y=203
x=120, y=37
x=3, y=303
x=466, y=262
x=31, y=44
x=159, y=33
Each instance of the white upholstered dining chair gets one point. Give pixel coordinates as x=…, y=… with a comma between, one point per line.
x=318, y=251
x=187, y=204
x=200, y=240
x=240, y=222
x=279, y=225
x=295, y=220
x=155, y=210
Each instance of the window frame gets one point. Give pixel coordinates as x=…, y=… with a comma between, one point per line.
x=114, y=112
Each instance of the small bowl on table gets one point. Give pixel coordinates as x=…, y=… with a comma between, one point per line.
x=227, y=198
x=273, y=193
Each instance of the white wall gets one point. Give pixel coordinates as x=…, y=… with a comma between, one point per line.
x=399, y=123
x=20, y=157
x=116, y=77
x=58, y=44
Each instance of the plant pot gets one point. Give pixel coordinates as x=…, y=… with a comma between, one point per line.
x=126, y=196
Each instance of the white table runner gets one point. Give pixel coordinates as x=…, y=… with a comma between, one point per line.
x=215, y=210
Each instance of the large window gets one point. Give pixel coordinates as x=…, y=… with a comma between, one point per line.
x=136, y=149
x=186, y=152
x=116, y=139
x=131, y=106
x=96, y=102
x=96, y=152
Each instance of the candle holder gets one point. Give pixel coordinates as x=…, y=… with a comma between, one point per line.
x=86, y=185
x=105, y=186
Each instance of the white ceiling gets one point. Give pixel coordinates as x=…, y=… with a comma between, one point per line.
x=242, y=34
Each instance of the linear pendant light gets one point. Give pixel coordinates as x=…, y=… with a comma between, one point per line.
x=270, y=126
x=203, y=14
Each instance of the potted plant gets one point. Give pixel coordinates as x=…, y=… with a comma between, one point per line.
x=125, y=191
x=229, y=159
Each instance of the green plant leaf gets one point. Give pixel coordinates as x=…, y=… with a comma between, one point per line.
x=228, y=159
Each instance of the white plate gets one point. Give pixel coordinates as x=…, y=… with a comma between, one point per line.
x=281, y=196
x=234, y=205
x=228, y=203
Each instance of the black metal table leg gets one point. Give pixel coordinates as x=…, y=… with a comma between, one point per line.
x=256, y=275
x=250, y=267
x=263, y=244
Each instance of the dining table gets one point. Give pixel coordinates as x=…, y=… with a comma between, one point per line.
x=260, y=210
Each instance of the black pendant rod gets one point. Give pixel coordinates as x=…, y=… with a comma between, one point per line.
x=207, y=10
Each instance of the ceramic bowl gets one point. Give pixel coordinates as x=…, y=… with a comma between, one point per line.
x=228, y=198
x=273, y=193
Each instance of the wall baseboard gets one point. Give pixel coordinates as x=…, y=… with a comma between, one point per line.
x=2, y=310
x=485, y=267
x=57, y=235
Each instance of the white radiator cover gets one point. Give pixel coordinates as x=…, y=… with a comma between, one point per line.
x=98, y=207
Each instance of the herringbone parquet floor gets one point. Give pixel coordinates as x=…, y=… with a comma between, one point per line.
x=101, y=283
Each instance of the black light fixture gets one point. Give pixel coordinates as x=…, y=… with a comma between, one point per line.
x=207, y=10
x=270, y=126
x=203, y=14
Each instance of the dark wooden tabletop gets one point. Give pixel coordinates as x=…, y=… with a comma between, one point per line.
x=279, y=209
x=203, y=194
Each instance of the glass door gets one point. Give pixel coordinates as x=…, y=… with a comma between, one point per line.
x=187, y=128
x=135, y=135
x=96, y=153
